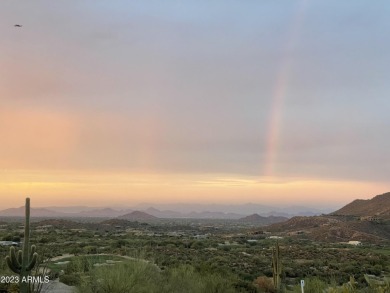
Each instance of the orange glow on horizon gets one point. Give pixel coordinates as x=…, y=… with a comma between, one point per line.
x=122, y=188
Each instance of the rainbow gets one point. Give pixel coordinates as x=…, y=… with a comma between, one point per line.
x=280, y=90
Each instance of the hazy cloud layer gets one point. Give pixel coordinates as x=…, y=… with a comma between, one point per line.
x=189, y=87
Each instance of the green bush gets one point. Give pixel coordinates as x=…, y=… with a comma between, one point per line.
x=137, y=276
x=312, y=285
x=140, y=276
x=70, y=280
x=185, y=279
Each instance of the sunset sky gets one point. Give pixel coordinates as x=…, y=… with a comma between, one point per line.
x=115, y=103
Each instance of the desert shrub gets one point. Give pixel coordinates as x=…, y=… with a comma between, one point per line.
x=349, y=287
x=378, y=287
x=70, y=280
x=265, y=284
x=312, y=285
x=185, y=278
x=140, y=276
x=74, y=266
x=197, y=245
x=78, y=265
x=137, y=276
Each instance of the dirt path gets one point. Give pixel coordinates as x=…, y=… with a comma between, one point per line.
x=57, y=258
x=60, y=257
x=56, y=286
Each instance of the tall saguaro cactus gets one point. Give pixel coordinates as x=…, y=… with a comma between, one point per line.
x=23, y=261
x=276, y=267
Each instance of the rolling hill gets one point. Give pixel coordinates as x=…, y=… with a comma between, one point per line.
x=138, y=216
x=362, y=220
x=35, y=212
x=259, y=220
x=379, y=206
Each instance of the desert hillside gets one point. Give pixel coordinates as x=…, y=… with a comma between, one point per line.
x=379, y=206
x=362, y=220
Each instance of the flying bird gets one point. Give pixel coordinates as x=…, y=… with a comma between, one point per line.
x=18, y=25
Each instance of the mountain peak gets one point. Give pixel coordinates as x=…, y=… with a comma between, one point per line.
x=257, y=219
x=377, y=206
x=137, y=216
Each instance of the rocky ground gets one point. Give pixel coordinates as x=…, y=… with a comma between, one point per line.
x=56, y=286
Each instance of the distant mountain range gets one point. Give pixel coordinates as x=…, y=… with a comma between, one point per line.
x=362, y=220
x=177, y=211
x=138, y=216
x=36, y=212
x=239, y=209
x=47, y=213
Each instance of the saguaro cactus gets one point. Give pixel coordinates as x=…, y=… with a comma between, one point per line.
x=276, y=267
x=23, y=261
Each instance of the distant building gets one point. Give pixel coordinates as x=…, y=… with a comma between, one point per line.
x=370, y=219
x=201, y=236
x=275, y=237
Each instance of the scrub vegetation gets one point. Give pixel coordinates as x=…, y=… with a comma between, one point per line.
x=194, y=256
